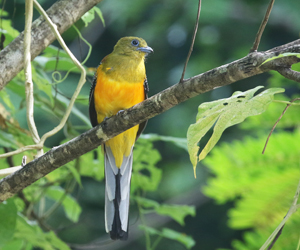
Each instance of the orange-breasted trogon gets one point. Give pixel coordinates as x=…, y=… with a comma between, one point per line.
x=119, y=83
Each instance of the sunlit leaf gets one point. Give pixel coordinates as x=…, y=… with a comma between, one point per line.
x=225, y=113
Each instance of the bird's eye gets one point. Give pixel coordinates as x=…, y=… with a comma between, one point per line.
x=135, y=42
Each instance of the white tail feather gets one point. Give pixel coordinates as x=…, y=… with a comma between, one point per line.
x=110, y=189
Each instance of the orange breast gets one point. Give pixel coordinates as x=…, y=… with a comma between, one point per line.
x=110, y=97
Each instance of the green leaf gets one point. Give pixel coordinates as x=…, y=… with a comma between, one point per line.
x=13, y=244
x=9, y=32
x=91, y=166
x=147, y=203
x=90, y=16
x=186, y=240
x=7, y=140
x=56, y=242
x=177, y=212
x=60, y=64
x=7, y=100
x=225, y=113
x=145, y=176
x=75, y=173
x=70, y=205
x=8, y=217
x=42, y=83
x=31, y=233
x=16, y=85
x=281, y=56
x=150, y=230
x=99, y=12
x=74, y=111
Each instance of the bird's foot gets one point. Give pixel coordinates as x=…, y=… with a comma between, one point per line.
x=120, y=112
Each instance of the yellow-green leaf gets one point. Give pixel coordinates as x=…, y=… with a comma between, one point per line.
x=225, y=113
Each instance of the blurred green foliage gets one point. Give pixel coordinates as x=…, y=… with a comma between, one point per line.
x=256, y=191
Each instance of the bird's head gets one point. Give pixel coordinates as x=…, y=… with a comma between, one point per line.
x=132, y=46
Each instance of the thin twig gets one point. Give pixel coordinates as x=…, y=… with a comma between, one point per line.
x=287, y=106
x=276, y=232
x=82, y=79
x=276, y=238
x=143, y=222
x=28, y=73
x=20, y=150
x=193, y=41
x=8, y=171
x=262, y=27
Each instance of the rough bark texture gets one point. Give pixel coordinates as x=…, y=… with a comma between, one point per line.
x=63, y=13
x=221, y=76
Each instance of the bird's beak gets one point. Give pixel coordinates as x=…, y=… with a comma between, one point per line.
x=146, y=49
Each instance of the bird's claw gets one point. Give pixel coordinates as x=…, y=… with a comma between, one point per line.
x=120, y=111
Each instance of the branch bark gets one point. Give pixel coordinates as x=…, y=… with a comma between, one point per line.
x=63, y=13
x=157, y=104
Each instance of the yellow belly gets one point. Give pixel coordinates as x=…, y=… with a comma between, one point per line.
x=110, y=97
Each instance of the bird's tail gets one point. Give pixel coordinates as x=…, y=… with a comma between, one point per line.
x=117, y=191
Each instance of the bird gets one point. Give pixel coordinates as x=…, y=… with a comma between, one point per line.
x=119, y=83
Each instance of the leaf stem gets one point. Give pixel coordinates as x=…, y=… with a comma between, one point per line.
x=273, y=128
x=286, y=102
x=147, y=235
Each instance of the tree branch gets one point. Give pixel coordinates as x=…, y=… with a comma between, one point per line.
x=157, y=104
x=63, y=13
x=290, y=74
